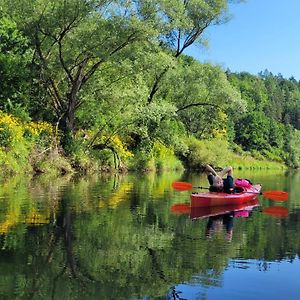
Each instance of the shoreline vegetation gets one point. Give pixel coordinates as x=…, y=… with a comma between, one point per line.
x=34, y=147
x=89, y=86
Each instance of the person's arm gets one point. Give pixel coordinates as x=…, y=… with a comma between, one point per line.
x=227, y=170
x=210, y=170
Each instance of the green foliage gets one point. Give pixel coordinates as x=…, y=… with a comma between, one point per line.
x=252, y=89
x=149, y=122
x=143, y=161
x=160, y=158
x=27, y=146
x=53, y=164
x=266, y=132
x=15, y=56
x=5, y=135
x=213, y=152
x=190, y=19
x=255, y=161
x=292, y=147
x=219, y=153
x=165, y=158
x=252, y=131
x=203, y=96
x=115, y=72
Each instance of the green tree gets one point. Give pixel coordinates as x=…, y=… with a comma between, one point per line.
x=204, y=98
x=275, y=105
x=252, y=131
x=292, y=146
x=14, y=67
x=186, y=22
x=72, y=40
x=252, y=89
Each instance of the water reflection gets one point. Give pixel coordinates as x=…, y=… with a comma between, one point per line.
x=216, y=224
x=276, y=211
x=115, y=238
x=219, y=217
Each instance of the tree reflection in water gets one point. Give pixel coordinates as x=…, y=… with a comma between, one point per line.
x=115, y=238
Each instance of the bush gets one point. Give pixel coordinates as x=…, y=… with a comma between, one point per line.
x=201, y=152
x=53, y=163
x=159, y=158
x=26, y=146
x=165, y=158
x=142, y=161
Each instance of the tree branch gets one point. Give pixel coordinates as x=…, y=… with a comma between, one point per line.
x=197, y=104
x=155, y=86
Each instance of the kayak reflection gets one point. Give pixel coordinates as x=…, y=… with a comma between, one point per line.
x=240, y=210
x=221, y=218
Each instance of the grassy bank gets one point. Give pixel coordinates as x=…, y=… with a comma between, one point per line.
x=220, y=153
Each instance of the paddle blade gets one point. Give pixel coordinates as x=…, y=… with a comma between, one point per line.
x=181, y=208
x=276, y=195
x=182, y=186
x=276, y=211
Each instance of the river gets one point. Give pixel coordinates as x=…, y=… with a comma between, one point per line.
x=119, y=237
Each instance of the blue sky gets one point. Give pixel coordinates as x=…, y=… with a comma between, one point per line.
x=262, y=34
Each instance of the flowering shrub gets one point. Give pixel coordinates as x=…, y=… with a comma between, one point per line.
x=39, y=128
x=10, y=130
x=120, y=147
x=18, y=139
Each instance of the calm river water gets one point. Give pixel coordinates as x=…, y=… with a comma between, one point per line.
x=127, y=237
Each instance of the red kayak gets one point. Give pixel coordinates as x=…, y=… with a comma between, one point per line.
x=217, y=198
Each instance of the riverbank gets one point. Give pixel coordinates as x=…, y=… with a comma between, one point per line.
x=35, y=148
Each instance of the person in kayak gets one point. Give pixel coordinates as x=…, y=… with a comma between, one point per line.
x=217, y=182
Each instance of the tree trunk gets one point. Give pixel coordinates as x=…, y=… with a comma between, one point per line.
x=67, y=127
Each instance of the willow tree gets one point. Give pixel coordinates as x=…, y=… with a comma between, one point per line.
x=187, y=21
x=72, y=40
